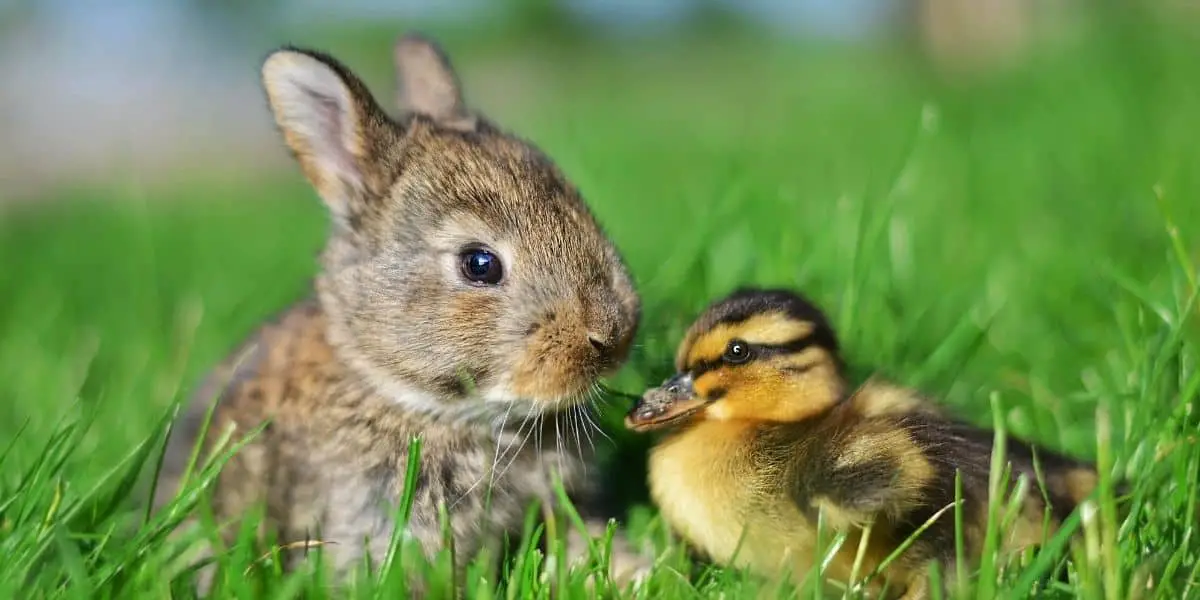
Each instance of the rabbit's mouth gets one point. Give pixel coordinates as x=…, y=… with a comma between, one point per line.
x=520, y=403
x=555, y=383
x=558, y=403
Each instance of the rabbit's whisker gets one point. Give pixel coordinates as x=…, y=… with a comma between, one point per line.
x=597, y=395
x=558, y=444
x=523, y=436
x=536, y=421
x=581, y=434
x=576, y=434
x=596, y=425
x=585, y=418
x=496, y=456
x=614, y=392
x=499, y=436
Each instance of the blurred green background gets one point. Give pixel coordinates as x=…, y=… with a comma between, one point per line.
x=983, y=197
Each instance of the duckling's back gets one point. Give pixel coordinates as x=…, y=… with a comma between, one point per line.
x=950, y=443
x=954, y=450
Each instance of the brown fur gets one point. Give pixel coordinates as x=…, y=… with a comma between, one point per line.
x=777, y=442
x=398, y=344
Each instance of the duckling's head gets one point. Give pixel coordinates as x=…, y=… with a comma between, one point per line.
x=756, y=355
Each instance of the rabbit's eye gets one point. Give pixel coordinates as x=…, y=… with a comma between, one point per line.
x=480, y=265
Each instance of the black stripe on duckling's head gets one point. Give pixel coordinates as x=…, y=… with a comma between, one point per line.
x=744, y=303
x=757, y=354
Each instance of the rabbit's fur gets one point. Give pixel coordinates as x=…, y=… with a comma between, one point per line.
x=397, y=343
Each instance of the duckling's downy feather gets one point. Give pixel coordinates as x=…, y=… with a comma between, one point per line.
x=778, y=445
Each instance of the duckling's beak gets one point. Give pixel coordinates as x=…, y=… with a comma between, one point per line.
x=665, y=405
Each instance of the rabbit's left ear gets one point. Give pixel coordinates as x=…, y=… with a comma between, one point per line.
x=428, y=83
x=333, y=126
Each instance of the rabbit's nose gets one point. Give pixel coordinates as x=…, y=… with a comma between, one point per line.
x=605, y=346
x=600, y=342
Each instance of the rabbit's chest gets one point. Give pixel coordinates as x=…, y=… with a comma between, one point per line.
x=466, y=488
x=530, y=469
x=476, y=479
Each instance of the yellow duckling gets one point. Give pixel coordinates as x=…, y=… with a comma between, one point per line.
x=764, y=434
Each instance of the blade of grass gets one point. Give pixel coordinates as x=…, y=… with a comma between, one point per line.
x=996, y=484
x=395, y=551
x=1046, y=558
x=909, y=541
x=960, y=555
x=859, y=554
x=1108, y=510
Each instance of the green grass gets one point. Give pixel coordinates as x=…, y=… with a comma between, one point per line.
x=1001, y=246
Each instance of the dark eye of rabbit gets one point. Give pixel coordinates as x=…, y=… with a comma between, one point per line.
x=480, y=265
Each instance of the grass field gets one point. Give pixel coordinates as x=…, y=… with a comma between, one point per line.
x=1024, y=249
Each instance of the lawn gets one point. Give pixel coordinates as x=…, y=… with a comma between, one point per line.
x=1022, y=248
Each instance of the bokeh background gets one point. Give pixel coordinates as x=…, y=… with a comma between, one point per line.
x=995, y=196
x=146, y=92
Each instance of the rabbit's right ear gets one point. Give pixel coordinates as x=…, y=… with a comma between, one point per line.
x=428, y=83
x=330, y=121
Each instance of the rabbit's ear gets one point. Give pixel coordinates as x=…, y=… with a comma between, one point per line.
x=428, y=83
x=330, y=121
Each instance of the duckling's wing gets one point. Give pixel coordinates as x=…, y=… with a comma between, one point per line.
x=954, y=446
x=852, y=470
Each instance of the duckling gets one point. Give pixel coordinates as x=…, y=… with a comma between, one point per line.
x=764, y=434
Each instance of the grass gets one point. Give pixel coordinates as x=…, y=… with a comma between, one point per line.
x=1022, y=248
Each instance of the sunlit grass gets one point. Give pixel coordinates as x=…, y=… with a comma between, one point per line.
x=1024, y=251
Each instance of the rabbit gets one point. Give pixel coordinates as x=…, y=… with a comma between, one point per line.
x=466, y=295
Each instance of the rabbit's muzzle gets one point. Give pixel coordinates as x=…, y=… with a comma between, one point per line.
x=566, y=353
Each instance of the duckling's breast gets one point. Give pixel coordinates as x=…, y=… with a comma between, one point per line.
x=710, y=492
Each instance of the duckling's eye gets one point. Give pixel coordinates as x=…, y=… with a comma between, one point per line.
x=737, y=352
x=481, y=266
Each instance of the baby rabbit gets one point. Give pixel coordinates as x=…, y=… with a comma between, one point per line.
x=466, y=296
